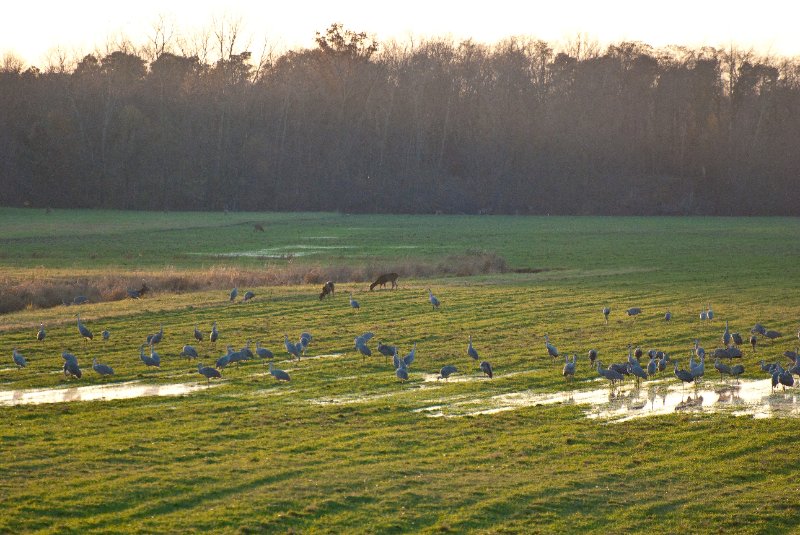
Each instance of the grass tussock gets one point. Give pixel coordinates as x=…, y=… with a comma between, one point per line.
x=44, y=292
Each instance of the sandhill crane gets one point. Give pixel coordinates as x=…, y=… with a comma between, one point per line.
x=386, y=350
x=189, y=352
x=225, y=359
x=786, y=379
x=446, y=372
x=723, y=369
x=106, y=334
x=248, y=295
x=710, y=313
x=247, y=354
x=361, y=345
x=634, y=367
x=86, y=333
x=409, y=359
x=434, y=301
x=198, y=335
x=736, y=371
x=662, y=362
x=668, y=316
x=234, y=293
x=19, y=359
x=208, y=372
x=148, y=361
x=156, y=338
x=487, y=369
x=703, y=315
x=41, y=334
x=71, y=368
x=736, y=338
x=401, y=373
x=633, y=312
x=726, y=336
x=471, y=351
x=683, y=375
x=263, y=352
x=592, y=357
x=638, y=354
x=652, y=367
x=758, y=329
x=155, y=356
x=68, y=357
x=569, y=367
x=551, y=349
x=80, y=299
x=772, y=335
x=606, y=312
x=102, y=369
x=214, y=335
x=753, y=342
x=280, y=375
x=699, y=351
x=234, y=356
x=699, y=369
x=611, y=375
x=291, y=348
x=353, y=303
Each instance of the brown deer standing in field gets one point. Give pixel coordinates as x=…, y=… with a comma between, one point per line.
x=383, y=279
x=258, y=228
x=327, y=289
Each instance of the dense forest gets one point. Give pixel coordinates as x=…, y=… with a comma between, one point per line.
x=354, y=125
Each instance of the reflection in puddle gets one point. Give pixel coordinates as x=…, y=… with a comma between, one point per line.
x=752, y=398
x=132, y=389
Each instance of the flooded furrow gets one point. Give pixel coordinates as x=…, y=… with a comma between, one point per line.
x=127, y=390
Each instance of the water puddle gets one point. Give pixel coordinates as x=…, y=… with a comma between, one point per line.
x=748, y=398
x=288, y=251
x=128, y=390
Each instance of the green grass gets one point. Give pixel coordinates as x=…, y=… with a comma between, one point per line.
x=253, y=455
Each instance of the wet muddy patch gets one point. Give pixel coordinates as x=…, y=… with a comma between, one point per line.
x=748, y=398
x=127, y=390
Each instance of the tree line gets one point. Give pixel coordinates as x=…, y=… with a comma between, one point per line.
x=437, y=126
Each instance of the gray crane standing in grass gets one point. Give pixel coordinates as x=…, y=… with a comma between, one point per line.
x=361, y=345
x=246, y=352
x=234, y=293
x=41, y=334
x=668, y=316
x=551, y=349
x=291, y=348
x=156, y=338
x=612, y=375
x=263, y=352
x=652, y=367
x=248, y=295
x=225, y=359
x=634, y=367
x=71, y=368
x=471, y=350
x=86, y=333
x=633, y=312
x=726, y=336
x=736, y=371
x=434, y=301
x=280, y=375
x=736, y=338
x=148, y=360
x=487, y=368
x=189, y=352
x=772, y=335
x=214, y=335
x=305, y=340
x=753, y=342
x=102, y=369
x=606, y=312
x=408, y=360
x=197, y=334
x=569, y=368
x=592, y=357
x=209, y=373
x=446, y=372
x=709, y=313
x=703, y=315
x=106, y=334
x=353, y=303
x=19, y=359
x=723, y=369
x=386, y=350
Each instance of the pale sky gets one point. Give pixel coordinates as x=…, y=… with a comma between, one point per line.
x=32, y=29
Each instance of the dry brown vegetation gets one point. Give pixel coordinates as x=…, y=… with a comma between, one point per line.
x=52, y=290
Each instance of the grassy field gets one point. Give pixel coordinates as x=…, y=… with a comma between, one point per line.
x=347, y=448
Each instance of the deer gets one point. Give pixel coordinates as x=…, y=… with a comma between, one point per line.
x=327, y=289
x=383, y=279
x=258, y=227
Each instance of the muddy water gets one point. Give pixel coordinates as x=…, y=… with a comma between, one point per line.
x=132, y=389
x=753, y=398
